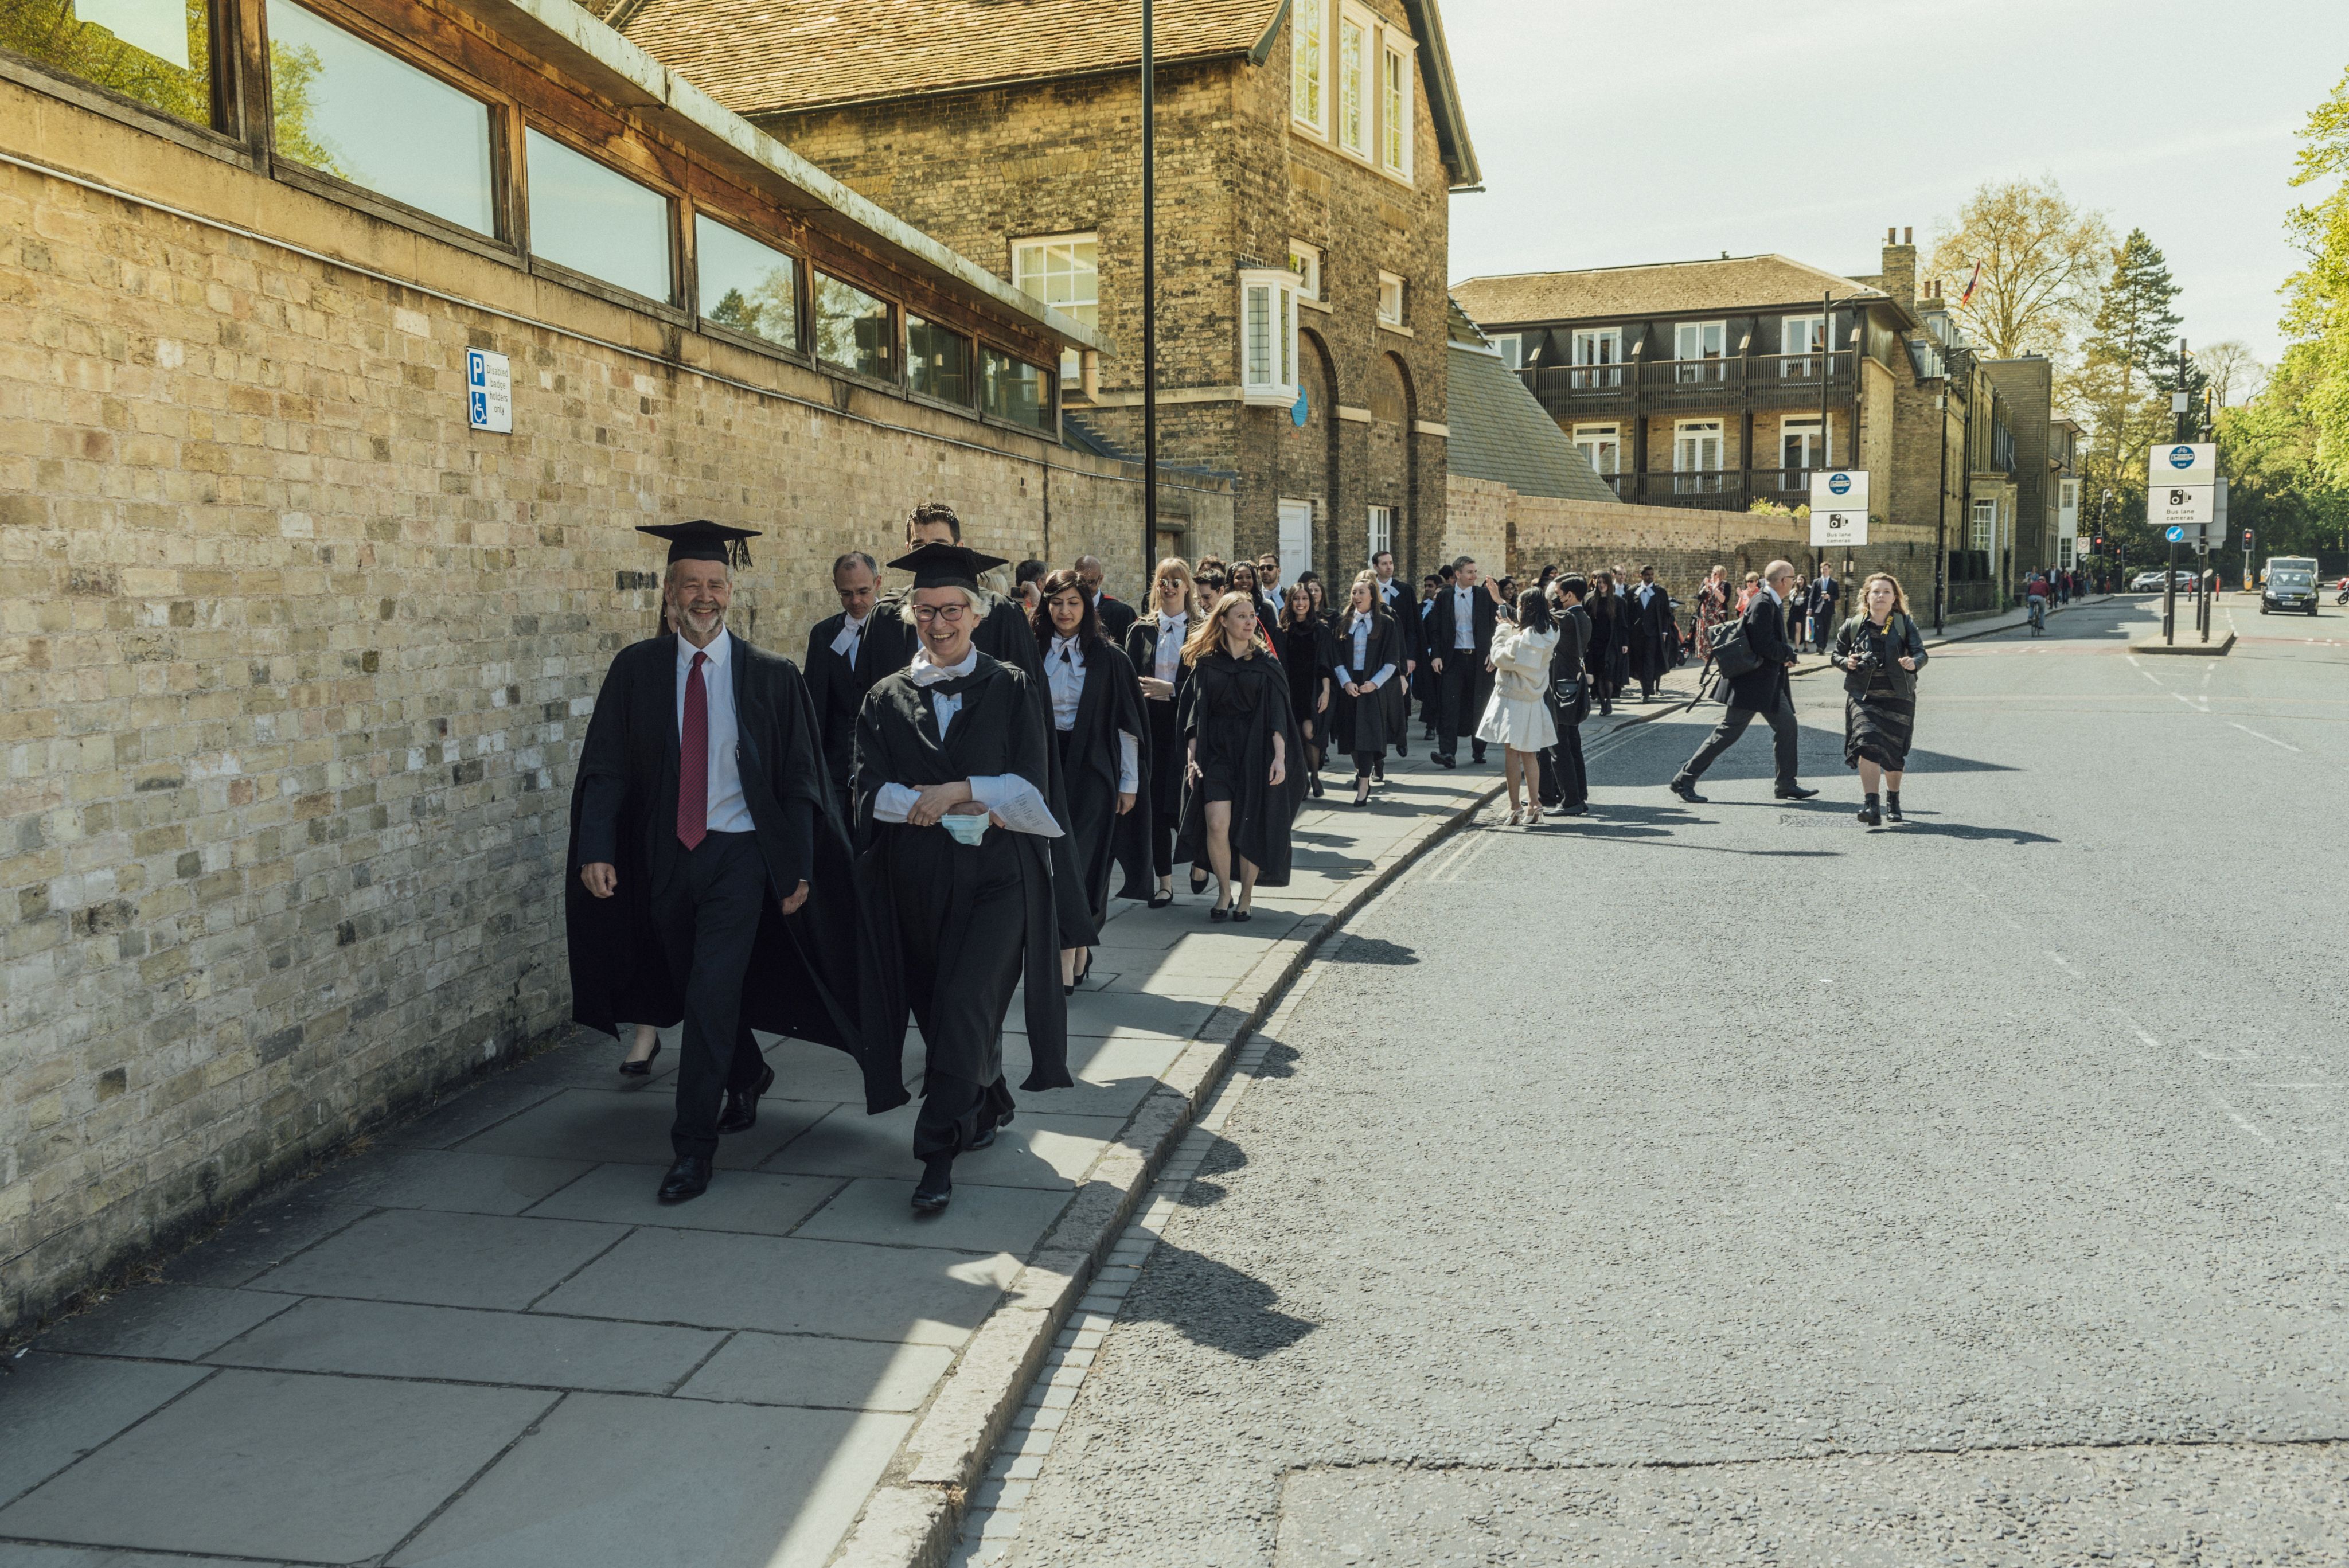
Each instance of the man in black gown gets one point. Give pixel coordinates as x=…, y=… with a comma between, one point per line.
x=709, y=744
x=1116, y=617
x=1403, y=605
x=1459, y=640
x=839, y=669
x=956, y=737
x=1652, y=633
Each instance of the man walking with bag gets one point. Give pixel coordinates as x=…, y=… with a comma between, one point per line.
x=1754, y=659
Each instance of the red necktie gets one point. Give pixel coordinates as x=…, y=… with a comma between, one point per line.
x=693, y=760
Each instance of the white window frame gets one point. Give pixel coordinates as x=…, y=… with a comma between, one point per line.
x=1395, y=128
x=1815, y=436
x=1981, y=529
x=1601, y=446
x=1394, y=299
x=1305, y=261
x=1598, y=357
x=1511, y=346
x=1085, y=310
x=1308, y=65
x=1364, y=111
x=1801, y=335
x=1267, y=336
x=1690, y=436
x=1692, y=366
x=1381, y=522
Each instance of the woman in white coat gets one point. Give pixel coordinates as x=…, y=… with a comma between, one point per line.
x=1517, y=718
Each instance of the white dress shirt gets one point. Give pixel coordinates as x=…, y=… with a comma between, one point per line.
x=1464, y=618
x=1172, y=630
x=1064, y=671
x=891, y=802
x=726, y=812
x=1647, y=592
x=850, y=640
x=1362, y=630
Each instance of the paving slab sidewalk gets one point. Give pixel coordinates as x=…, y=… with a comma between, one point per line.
x=479, y=1341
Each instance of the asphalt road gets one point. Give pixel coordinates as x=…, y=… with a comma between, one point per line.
x=1735, y=1183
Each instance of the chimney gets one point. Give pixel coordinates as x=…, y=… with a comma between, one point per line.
x=1899, y=273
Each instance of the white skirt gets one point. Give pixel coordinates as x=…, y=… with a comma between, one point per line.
x=1521, y=724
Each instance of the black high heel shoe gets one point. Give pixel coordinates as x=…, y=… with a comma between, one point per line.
x=642, y=1069
x=1362, y=791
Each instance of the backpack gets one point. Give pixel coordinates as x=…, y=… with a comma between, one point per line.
x=1728, y=651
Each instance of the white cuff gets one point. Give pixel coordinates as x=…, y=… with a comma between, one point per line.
x=1343, y=679
x=891, y=802
x=1128, y=763
x=1385, y=674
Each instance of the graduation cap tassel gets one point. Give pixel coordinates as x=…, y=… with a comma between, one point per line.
x=739, y=555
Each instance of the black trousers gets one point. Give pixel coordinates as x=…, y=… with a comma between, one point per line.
x=1564, y=781
x=707, y=917
x=1465, y=684
x=962, y=962
x=1784, y=733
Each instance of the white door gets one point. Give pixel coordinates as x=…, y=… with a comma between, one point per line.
x=1296, y=539
x=1696, y=457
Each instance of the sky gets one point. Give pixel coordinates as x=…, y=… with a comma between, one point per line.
x=1618, y=134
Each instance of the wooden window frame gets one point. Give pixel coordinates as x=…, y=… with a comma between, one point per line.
x=980, y=344
x=1402, y=316
x=1394, y=44
x=906, y=358
x=1348, y=15
x=228, y=138
x=896, y=335
x=679, y=308
x=801, y=353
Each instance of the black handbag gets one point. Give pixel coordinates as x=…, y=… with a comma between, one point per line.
x=1732, y=654
x=1573, y=699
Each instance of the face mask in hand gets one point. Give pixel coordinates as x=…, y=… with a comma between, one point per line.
x=968, y=826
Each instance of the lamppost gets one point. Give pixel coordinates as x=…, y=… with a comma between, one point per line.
x=1149, y=306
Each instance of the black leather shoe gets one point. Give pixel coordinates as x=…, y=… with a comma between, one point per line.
x=985, y=1139
x=689, y=1178
x=1402, y=747
x=1893, y=807
x=642, y=1069
x=1797, y=793
x=742, y=1112
x=1869, y=816
x=1442, y=761
x=932, y=1193
x=1161, y=899
x=1198, y=882
x=1686, y=790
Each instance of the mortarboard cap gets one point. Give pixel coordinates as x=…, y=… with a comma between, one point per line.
x=946, y=565
x=701, y=540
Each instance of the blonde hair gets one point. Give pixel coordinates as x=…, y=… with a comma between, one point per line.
x=1900, y=598
x=1175, y=566
x=1209, y=635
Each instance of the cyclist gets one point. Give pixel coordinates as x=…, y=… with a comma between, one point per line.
x=2035, y=600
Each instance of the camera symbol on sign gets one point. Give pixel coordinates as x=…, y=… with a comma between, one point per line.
x=2177, y=498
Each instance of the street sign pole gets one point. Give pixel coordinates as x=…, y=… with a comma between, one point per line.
x=2170, y=598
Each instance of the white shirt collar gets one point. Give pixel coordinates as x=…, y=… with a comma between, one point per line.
x=717, y=650
x=1061, y=644
x=1773, y=592
x=925, y=674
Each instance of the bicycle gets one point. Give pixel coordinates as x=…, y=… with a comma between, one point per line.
x=2038, y=614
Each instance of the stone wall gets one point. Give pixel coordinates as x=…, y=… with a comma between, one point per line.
x=293, y=665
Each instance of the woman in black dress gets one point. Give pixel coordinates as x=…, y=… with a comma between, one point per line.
x=1306, y=659
x=1155, y=648
x=1366, y=653
x=1880, y=651
x=1604, y=610
x=1099, y=729
x=1239, y=740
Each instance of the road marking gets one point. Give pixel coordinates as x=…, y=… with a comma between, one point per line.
x=2238, y=1118
x=2271, y=740
x=1435, y=874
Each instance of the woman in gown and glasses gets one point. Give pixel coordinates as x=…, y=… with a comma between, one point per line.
x=1154, y=645
x=1100, y=731
x=953, y=780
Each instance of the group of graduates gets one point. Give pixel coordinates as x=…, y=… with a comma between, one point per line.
x=920, y=820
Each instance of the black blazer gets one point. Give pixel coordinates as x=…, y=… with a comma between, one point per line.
x=1440, y=629
x=1116, y=617
x=1762, y=687
x=1403, y=605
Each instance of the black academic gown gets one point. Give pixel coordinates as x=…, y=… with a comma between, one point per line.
x=1362, y=726
x=953, y=928
x=1233, y=708
x=1404, y=605
x=1116, y=616
x=1098, y=837
x=1653, y=634
x=1164, y=776
x=836, y=688
x=804, y=974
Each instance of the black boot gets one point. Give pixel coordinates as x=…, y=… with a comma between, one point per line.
x=1869, y=815
x=1892, y=804
x=932, y=1193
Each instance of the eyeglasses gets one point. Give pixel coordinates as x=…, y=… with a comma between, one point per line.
x=949, y=614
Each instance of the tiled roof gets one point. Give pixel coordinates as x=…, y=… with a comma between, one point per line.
x=769, y=56
x=757, y=57
x=1500, y=433
x=1663, y=288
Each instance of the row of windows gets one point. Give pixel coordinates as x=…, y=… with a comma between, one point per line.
x=1349, y=82
x=1697, y=445
x=346, y=109
x=1600, y=348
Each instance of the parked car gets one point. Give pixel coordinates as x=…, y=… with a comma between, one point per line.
x=2150, y=582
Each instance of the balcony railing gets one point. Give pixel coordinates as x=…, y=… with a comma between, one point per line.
x=1762, y=380
x=1714, y=489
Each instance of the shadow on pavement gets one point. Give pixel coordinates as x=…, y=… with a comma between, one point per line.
x=1369, y=949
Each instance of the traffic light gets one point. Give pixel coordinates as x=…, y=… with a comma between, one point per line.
x=2247, y=538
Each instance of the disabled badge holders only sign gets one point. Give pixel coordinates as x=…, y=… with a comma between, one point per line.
x=489, y=391
x=1839, y=507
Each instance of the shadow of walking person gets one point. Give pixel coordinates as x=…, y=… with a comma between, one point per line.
x=1213, y=1304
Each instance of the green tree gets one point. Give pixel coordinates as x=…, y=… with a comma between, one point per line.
x=49, y=31
x=2043, y=263
x=2278, y=487
x=2316, y=298
x=2130, y=368
x=293, y=104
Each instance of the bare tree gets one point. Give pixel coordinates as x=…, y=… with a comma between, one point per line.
x=2042, y=263
x=2235, y=375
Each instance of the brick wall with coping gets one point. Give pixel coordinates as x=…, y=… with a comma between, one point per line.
x=293, y=665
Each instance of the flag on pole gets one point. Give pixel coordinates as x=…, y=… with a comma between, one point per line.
x=1966, y=298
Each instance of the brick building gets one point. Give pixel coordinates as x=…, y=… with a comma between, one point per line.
x=296, y=656
x=1307, y=149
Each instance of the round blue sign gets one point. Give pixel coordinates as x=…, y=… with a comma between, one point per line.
x=1298, y=411
x=1840, y=483
x=2181, y=457
x=2175, y=534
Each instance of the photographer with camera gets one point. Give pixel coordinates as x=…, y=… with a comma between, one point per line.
x=1879, y=651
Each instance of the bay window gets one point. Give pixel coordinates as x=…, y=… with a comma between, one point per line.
x=1269, y=336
